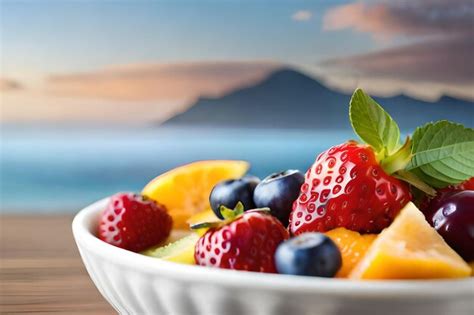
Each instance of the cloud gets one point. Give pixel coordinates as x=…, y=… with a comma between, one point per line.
x=38, y=107
x=408, y=18
x=9, y=85
x=134, y=93
x=443, y=61
x=389, y=86
x=161, y=82
x=302, y=15
x=441, y=35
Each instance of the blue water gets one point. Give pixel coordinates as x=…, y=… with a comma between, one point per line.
x=63, y=169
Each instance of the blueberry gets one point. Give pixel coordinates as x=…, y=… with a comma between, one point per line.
x=229, y=192
x=278, y=192
x=309, y=254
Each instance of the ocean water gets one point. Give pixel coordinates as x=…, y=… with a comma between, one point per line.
x=45, y=170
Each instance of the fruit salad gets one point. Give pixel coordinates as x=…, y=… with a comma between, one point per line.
x=377, y=208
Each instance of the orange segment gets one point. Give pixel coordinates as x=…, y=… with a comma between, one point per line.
x=353, y=247
x=202, y=217
x=410, y=249
x=185, y=190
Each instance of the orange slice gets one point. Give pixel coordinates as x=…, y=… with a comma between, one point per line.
x=185, y=190
x=202, y=217
x=410, y=249
x=353, y=247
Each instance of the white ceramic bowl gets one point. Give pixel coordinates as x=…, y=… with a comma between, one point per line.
x=136, y=284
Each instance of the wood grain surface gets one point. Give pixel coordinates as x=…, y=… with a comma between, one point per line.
x=41, y=271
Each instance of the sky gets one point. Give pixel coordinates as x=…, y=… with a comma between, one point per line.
x=139, y=61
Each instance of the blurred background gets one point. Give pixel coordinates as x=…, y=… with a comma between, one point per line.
x=102, y=96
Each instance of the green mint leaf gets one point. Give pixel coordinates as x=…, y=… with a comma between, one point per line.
x=443, y=153
x=413, y=180
x=373, y=124
x=399, y=160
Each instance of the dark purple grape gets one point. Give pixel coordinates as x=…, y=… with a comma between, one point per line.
x=452, y=215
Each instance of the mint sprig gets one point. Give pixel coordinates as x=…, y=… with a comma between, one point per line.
x=373, y=124
x=398, y=160
x=443, y=153
x=438, y=154
x=415, y=181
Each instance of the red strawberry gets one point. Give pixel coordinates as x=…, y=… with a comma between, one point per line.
x=248, y=243
x=134, y=222
x=346, y=187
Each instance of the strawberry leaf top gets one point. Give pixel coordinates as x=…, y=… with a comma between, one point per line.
x=229, y=215
x=373, y=124
x=443, y=153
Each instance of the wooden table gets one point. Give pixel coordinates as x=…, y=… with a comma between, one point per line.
x=41, y=271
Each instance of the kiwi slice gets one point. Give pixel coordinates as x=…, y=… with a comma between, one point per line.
x=180, y=251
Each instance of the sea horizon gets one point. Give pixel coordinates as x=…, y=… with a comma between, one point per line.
x=58, y=169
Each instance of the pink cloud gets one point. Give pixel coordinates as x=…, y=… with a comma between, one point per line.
x=409, y=18
x=179, y=81
x=9, y=85
x=441, y=51
x=133, y=93
x=447, y=61
x=302, y=15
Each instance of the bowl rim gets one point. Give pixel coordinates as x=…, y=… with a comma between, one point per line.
x=85, y=221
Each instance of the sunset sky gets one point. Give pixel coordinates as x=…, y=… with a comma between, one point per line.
x=139, y=61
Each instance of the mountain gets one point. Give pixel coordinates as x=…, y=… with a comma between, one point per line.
x=290, y=99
